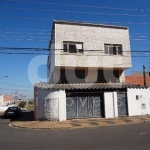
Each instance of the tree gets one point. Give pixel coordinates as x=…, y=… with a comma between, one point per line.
x=22, y=104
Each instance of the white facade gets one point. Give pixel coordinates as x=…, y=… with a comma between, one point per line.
x=93, y=38
x=1, y=99
x=51, y=104
x=138, y=102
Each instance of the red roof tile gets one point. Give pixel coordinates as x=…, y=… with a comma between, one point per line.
x=137, y=80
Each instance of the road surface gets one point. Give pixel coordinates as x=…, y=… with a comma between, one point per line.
x=125, y=137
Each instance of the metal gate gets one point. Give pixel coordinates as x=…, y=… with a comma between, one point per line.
x=84, y=106
x=122, y=104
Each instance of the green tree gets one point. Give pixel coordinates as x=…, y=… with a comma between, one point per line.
x=22, y=104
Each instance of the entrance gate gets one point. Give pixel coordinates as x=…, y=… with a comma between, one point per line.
x=85, y=106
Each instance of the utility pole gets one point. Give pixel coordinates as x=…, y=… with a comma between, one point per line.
x=144, y=76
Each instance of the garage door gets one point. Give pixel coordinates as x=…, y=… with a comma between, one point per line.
x=83, y=106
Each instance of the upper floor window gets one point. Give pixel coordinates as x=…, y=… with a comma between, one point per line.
x=73, y=47
x=113, y=49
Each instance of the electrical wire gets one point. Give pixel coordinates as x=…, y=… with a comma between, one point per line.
x=16, y=90
x=47, y=19
x=84, y=6
x=75, y=12
x=47, y=49
x=16, y=85
x=86, y=50
x=24, y=29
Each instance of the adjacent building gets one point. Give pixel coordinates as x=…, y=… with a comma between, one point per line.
x=137, y=78
x=5, y=100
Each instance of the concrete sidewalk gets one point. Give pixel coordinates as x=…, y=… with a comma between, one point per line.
x=80, y=123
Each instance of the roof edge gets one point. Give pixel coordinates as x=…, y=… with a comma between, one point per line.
x=88, y=24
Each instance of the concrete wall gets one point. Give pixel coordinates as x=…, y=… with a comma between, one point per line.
x=5, y=99
x=1, y=99
x=91, y=74
x=48, y=101
x=93, y=38
x=51, y=60
x=138, y=101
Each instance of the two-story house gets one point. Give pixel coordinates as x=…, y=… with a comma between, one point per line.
x=88, y=53
x=86, y=74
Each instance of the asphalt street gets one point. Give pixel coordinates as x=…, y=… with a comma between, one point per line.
x=124, y=137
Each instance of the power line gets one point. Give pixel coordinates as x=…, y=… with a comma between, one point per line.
x=23, y=53
x=3, y=91
x=36, y=34
x=16, y=48
x=16, y=85
x=75, y=12
x=47, y=19
x=4, y=75
x=18, y=31
x=84, y=6
x=24, y=29
x=47, y=49
x=139, y=38
x=44, y=37
x=39, y=33
x=24, y=39
x=16, y=90
x=23, y=36
x=78, y=55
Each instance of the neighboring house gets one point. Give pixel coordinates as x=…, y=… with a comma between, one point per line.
x=5, y=100
x=86, y=74
x=137, y=78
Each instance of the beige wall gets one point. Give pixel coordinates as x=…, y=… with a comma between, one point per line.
x=93, y=38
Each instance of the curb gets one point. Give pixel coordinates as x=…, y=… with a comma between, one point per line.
x=79, y=127
x=20, y=127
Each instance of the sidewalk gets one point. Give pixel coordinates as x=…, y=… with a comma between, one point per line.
x=80, y=123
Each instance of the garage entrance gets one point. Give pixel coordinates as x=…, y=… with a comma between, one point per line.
x=85, y=105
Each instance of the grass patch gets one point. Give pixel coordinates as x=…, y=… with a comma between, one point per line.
x=30, y=108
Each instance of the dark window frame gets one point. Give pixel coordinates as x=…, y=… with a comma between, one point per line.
x=67, y=44
x=113, y=49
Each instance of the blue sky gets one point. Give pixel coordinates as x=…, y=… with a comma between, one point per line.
x=27, y=24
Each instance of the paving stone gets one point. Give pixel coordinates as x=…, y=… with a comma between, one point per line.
x=142, y=118
x=127, y=121
x=94, y=120
x=75, y=125
x=93, y=123
x=110, y=122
